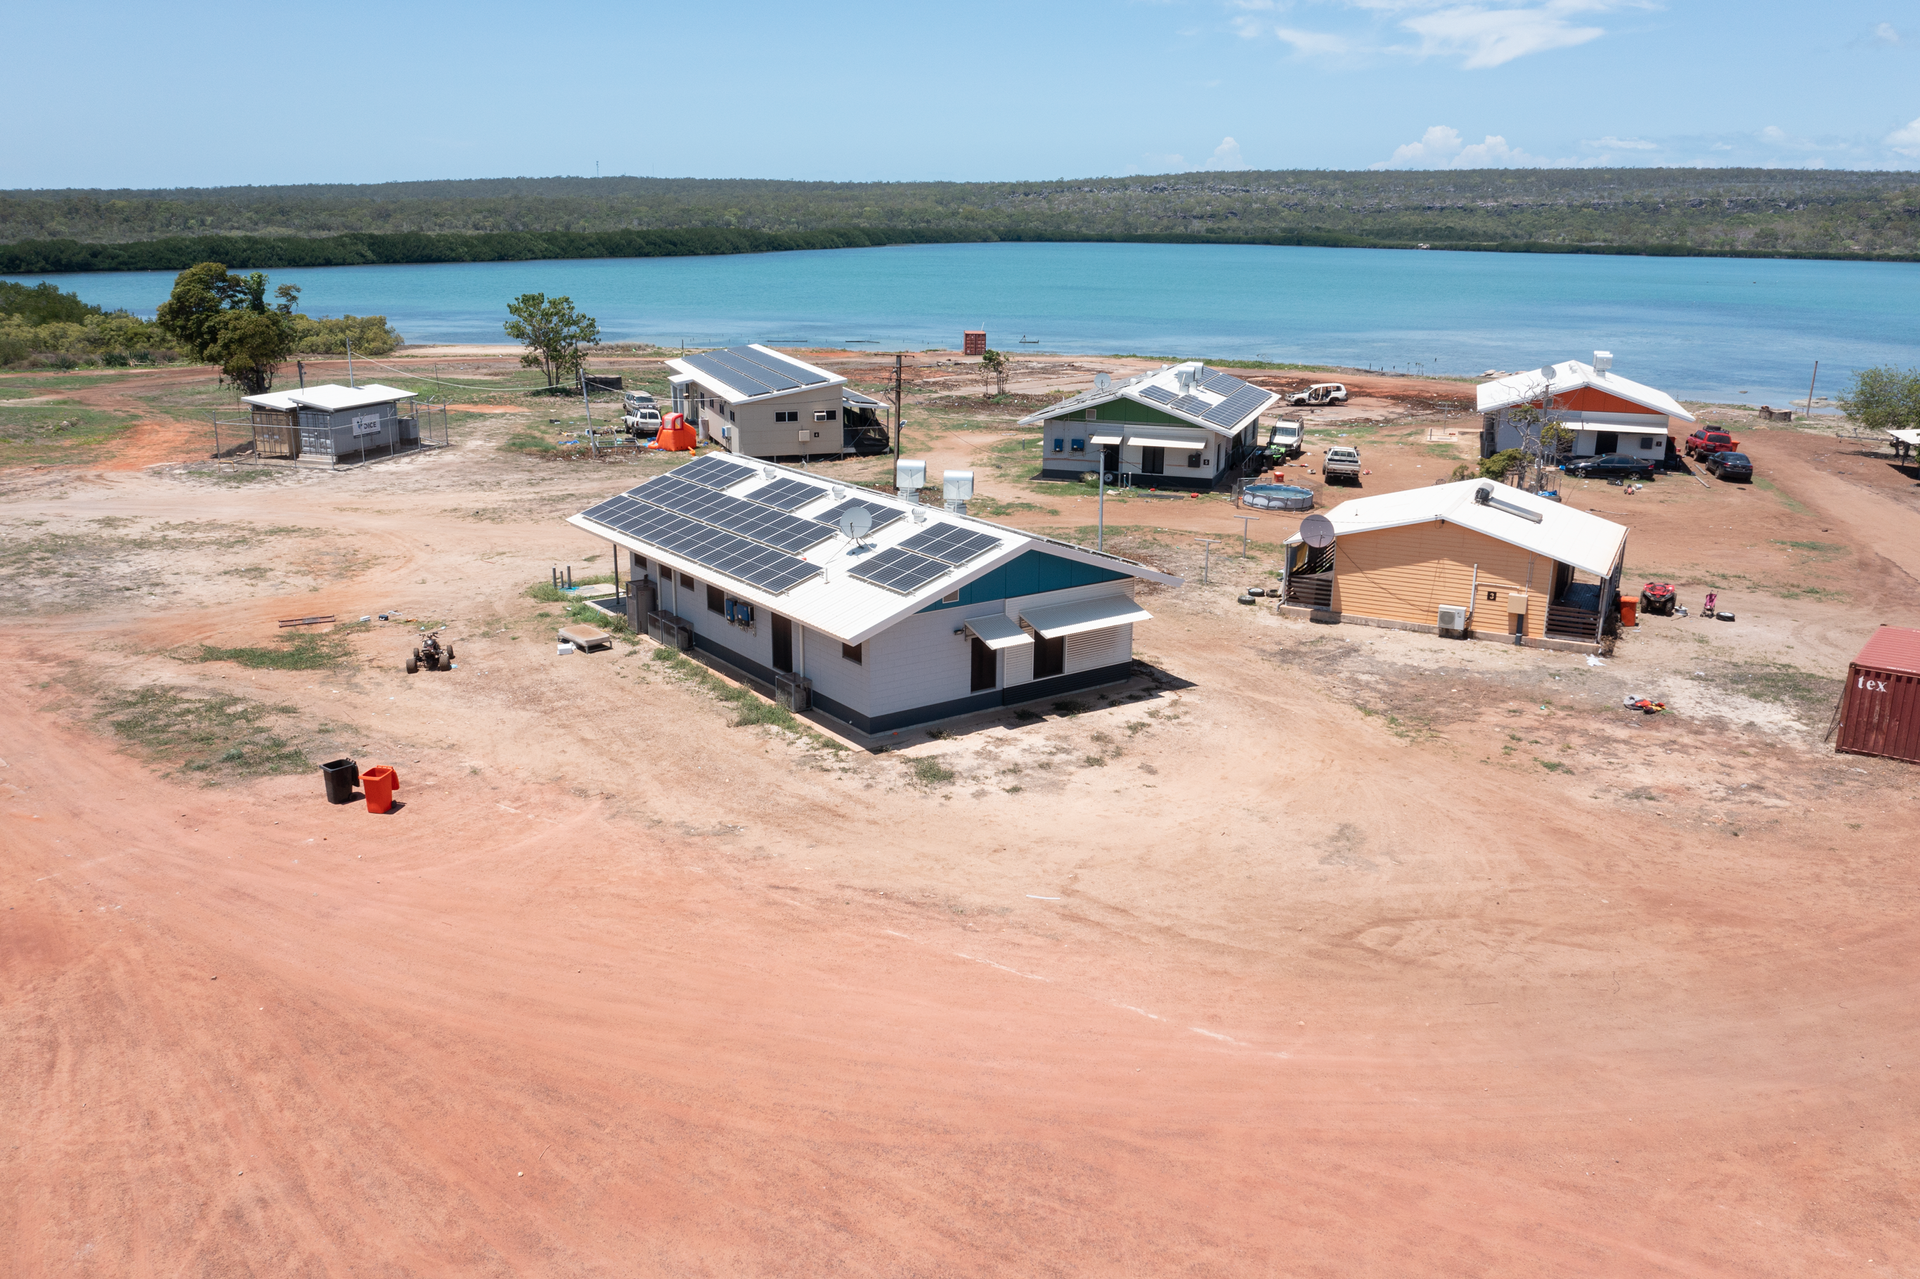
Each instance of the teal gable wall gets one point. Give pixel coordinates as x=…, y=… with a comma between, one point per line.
x=1028, y=574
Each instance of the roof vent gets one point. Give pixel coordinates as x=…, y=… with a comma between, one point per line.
x=1602, y=361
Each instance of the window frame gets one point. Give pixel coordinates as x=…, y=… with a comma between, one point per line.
x=853, y=653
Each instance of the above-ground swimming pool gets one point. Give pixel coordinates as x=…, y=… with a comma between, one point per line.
x=1277, y=497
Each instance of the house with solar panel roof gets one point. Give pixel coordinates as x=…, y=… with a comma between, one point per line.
x=1185, y=426
x=756, y=402
x=874, y=609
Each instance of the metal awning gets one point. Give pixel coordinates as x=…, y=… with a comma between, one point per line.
x=1104, y=437
x=1056, y=620
x=1168, y=439
x=998, y=631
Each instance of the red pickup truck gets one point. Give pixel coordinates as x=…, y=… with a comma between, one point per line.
x=1707, y=440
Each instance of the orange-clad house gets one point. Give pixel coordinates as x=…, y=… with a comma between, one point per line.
x=1606, y=412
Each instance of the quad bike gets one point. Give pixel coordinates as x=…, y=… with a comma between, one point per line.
x=1657, y=597
x=431, y=654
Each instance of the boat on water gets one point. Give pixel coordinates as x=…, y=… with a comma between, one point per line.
x=1027, y=341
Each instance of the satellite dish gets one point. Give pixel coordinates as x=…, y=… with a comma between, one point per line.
x=1101, y=381
x=1317, y=531
x=857, y=523
x=1546, y=371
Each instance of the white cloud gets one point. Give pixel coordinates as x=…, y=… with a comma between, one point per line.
x=1906, y=141
x=1611, y=143
x=1483, y=38
x=1885, y=34
x=1441, y=147
x=1773, y=133
x=1313, y=42
x=1226, y=156
x=1477, y=35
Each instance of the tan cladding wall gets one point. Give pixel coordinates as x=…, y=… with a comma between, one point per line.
x=1406, y=574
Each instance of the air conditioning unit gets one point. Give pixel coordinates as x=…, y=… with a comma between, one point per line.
x=1453, y=619
x=795, y=692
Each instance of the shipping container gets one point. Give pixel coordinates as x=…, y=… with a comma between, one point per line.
x=1880, y=706
x=974, y=342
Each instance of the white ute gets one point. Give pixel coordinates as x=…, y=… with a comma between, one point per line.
x=1320, y=393
x=1342, y=463
x=1284, y=443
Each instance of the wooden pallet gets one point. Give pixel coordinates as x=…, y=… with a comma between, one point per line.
x=307, y=621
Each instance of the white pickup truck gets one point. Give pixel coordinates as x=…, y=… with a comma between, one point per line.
x=1284, y=444
x=1342, y=463
x=641, y=416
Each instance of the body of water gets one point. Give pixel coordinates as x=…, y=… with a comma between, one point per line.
x=1735, y=330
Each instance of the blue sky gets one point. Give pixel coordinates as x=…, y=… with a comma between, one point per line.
x=200, y=94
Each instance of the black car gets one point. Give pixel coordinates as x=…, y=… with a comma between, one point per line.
x=1729, y=466
x=1611, y=466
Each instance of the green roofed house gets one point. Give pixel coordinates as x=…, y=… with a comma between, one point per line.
x=1185, y=426
x=869, y=607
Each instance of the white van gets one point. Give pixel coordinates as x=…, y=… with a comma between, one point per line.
x=641, y=421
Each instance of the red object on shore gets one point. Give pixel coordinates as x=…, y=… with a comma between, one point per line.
x=1880, y=706
x=974, y=342
x=379, y=783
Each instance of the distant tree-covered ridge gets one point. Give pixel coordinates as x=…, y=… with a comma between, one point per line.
x=1764, y=212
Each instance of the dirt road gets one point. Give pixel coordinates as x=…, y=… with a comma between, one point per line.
x=1342, y=953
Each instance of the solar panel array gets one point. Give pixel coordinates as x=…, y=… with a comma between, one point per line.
x=882, y=515
x=736, y=515
x=785, y=494
x=724, y=552
x=899, y=570
x=1235, y=406
x=713, y=471
x=1242, y=399
x=949, y=543
x=755, y=372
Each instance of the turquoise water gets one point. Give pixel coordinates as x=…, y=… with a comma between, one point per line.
x=1700, y=328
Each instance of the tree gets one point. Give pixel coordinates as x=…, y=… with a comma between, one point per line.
x=1883, y=398
x=555, y=335
x=222, y=318
x=996, y=367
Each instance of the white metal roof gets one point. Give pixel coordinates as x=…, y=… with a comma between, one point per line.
x=809, y=377
x=1570, y=376
x=1161, y=391
x=1910, y=437
x=329, y=398
x=846, y=607
x=1571, y=536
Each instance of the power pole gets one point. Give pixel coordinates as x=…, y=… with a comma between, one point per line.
x=349, y=361
x=1100, y=525
x=592, y=451
x=897, y=423
x=1810, y=382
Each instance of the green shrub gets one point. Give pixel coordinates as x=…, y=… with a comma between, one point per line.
x=1497, y=466
x=931, y=772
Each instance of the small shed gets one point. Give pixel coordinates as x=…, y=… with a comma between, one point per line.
x=1879, y=711
x=1607, y=413
x=331, y=421
x=1473, y=557
x=1183, y=426
x=904, y=615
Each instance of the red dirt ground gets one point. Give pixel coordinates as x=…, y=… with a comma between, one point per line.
x=1277, y=988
